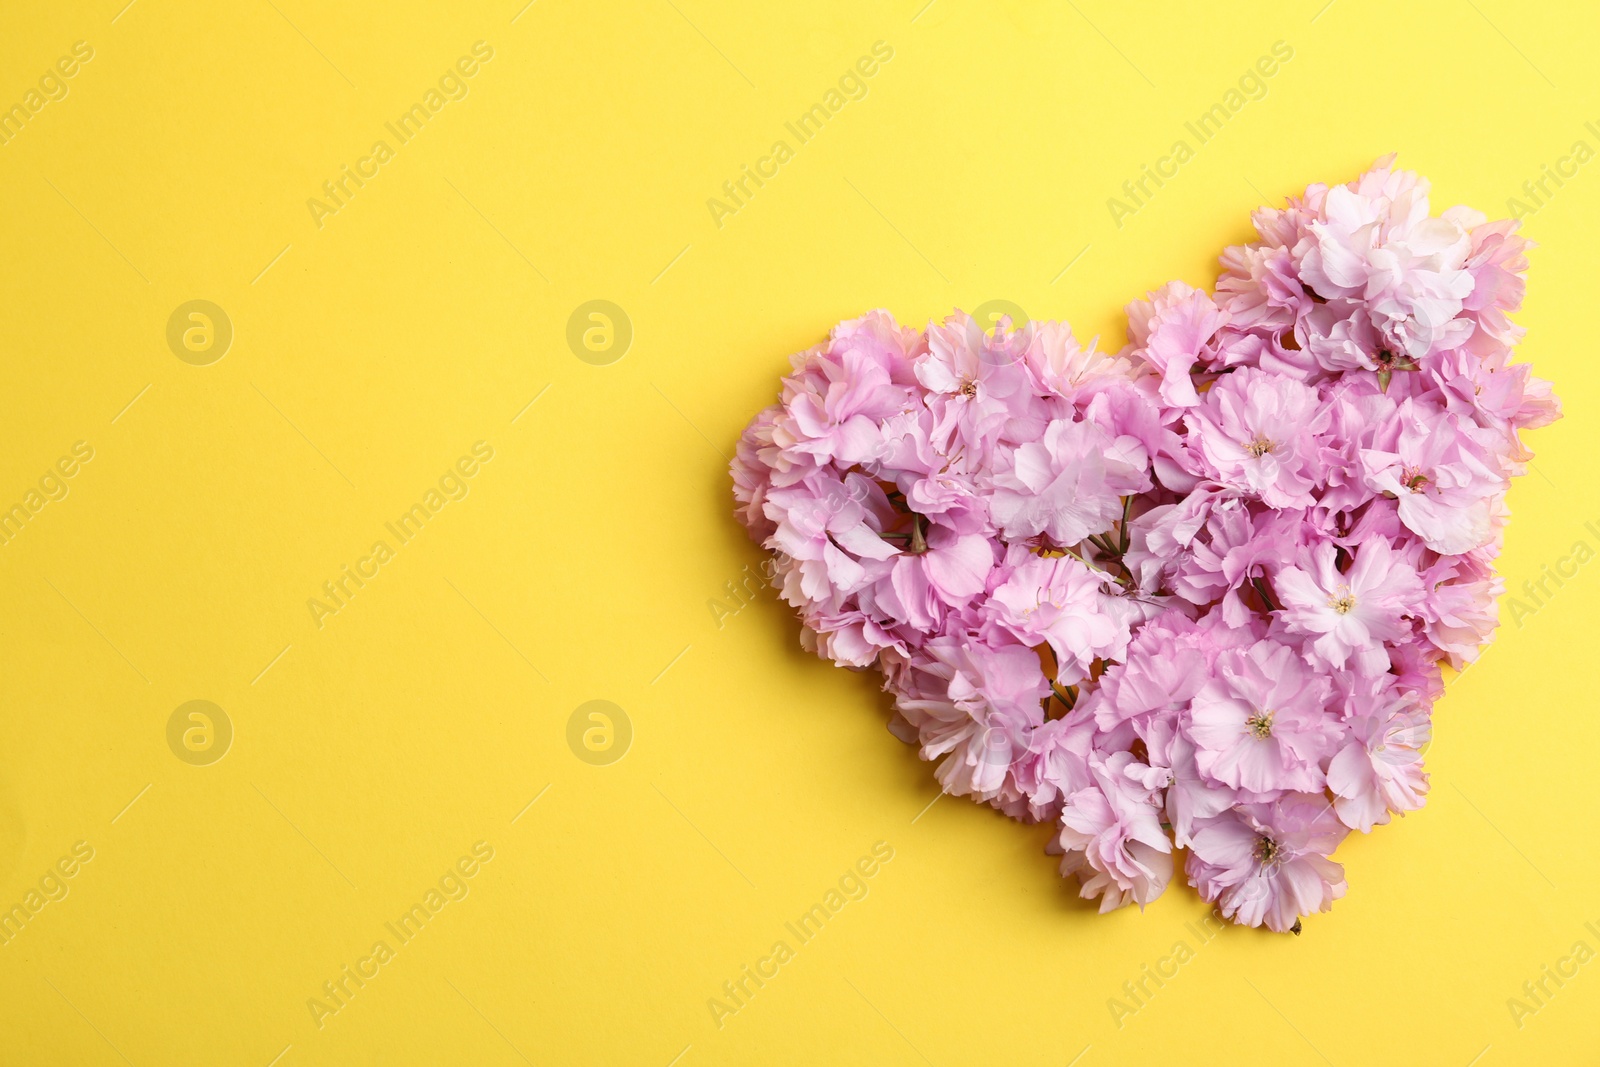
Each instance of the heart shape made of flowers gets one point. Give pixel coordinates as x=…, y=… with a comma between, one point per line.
x=1196, y=595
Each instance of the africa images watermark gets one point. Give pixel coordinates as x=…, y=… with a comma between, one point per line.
x=742, y=591
x=53, y=485
x=340, y=190
x=52, y=887
x=1538, y=192
x=737, y=992
x=52, y=86
x=1537, y=992
x=852, y=85
x=1138, y=992
x=1537, y=592
x=338, y=591
x=340, y=990
x=1252, y=85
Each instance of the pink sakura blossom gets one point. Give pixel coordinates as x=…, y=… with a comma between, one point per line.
x=1192, y=798
x=1351, y=612
x=1172, y=331
x=1260, y=721
x=974, y=705
x=1443, y=474
x=1267, y=864
x=1458, y=608
x=1379, y=769
x=1194, y=594
x=1061, y=367
x=1112, y=839
x=1258, y=434
x=1403, y=271
x=1068, y=485
x=1058, y=602
x=1055, y=766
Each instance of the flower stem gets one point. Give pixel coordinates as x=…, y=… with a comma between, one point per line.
x=1103, y=543
x=1125, y=582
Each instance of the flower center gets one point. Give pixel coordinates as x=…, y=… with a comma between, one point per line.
x=1344, y=602
x=1259, y=447
x=1268, y=852
x=1414, y=480
x=968, y=388
x=1260, y=725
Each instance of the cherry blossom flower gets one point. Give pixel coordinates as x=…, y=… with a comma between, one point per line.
x=1267, y=864
x=1058, y=602
x=1194, y=594
x=1069, y=485
x=1112, y=839
x=1260, y=723
x=1350, y=612
x=1258, y=434
x=1379, y=769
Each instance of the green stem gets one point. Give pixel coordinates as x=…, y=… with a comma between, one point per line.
x=918, y=544
x=1126, y=583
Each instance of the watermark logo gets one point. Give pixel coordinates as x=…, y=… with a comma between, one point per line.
x=1538, y=592
x=52, y=87
x=851, y=886
x=599, y=333
x=1001, y=332
x=1138, y=992
x=742, y=591
x=1252, y=85
x=52, y=486
x=452, y=485
x=738, y=191
x=450, y=888
x=199, y=333
x=1539, y=191
x=52, y=886
x=1538, y=991
x=341, y=189
x=199, y=733
x=599, y=733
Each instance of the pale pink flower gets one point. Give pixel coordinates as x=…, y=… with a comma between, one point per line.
x=1443, y=474
x=1267, y=864
x=1058, y=602
x=1055, y=765
x=1379, y=770
x=1062, y=367
x=1458, y=610
x=1258, y=434
x=1112, y=839
x=974, y=705
x=1172, y=331
x=1069, y=485
x=1377, y=245
x=1260, y=722
x=1351, y=612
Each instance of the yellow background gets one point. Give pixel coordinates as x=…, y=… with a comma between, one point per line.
x=368, y=354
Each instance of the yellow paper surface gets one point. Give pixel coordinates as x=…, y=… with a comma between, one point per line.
x=404, y=343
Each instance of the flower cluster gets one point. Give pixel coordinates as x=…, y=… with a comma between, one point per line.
x=1196, y=595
